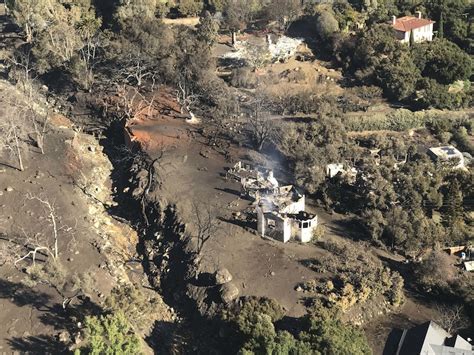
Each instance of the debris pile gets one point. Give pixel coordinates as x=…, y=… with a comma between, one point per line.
x=283, y=49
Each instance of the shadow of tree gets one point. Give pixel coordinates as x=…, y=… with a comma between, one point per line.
x=292, y=325
x=348, y=228
x=229, y=191
x=22, y=295
x=41, y=344
x=165, y=335
x=53, y=315
x=67, y=319
x=238, y=222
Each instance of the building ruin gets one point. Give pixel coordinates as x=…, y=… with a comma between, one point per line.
x=280, y=210
x=272, y=48
x=447, y=153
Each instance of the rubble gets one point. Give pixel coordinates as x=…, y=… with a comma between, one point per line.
x=281, y=50
x=284, y=48
x=253, y=181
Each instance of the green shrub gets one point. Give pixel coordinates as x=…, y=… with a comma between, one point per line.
x=395, y=293
x=262, y=305
x=403, y=119
x=323, y=332
x=462, y=139
x=332, y=336
x=190, y=7
x=109, y=335
x=433, y=94
x=359, y=277
x=367, y=92
x=134, y=304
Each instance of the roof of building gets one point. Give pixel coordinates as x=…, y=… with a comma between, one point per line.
x=446, y=152
x=416, y=337
x=461, y=343
x=469, y=265
x=430, y=338
x=408, y=23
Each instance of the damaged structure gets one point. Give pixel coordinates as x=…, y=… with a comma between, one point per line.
x=278, y=49
x=280, y=210
x=447, y=153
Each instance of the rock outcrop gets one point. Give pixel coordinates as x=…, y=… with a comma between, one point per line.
x=222, y=276
x=229, y=292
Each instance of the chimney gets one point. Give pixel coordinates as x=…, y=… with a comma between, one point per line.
x=394, y=19
x=269, y=39
x=418, y=14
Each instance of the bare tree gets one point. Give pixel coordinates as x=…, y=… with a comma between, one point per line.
x=40, y=123
x=22, y=124
x=40, y=242
x=88, y=56
x=258, y=55
x=14, y=134
x=186, y=97
x=261, y=127
x=452, y=317
x=34, y=245
x=11, y=247
x=32, y=16
x=22, y=70
x=136, y=70
x=131, y=102
x=284, y=11
x=128, y=102
x=206, y=223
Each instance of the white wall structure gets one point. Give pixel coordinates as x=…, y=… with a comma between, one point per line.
x=281, y=216
x=306, y=223
x=334, y=169
x=447, y=153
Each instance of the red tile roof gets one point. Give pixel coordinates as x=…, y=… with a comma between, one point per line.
x=408, y=23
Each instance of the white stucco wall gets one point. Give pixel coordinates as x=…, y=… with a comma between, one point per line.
x=260, y=222
x=422, y=34
x=295, y=207
x=286, y=230
x=306, y=234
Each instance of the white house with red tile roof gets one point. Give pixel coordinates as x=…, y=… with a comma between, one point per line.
x=422, y=28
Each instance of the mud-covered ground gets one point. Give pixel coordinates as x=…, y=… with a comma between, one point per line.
x=74, y=177
x=190, y=173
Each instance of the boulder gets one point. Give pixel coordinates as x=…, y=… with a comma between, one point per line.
x=229, y=292
x=222, y=276
x=64, y=337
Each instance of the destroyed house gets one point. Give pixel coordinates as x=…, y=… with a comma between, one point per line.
x=281, y=216
x=280, y=209
x=447, y=153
